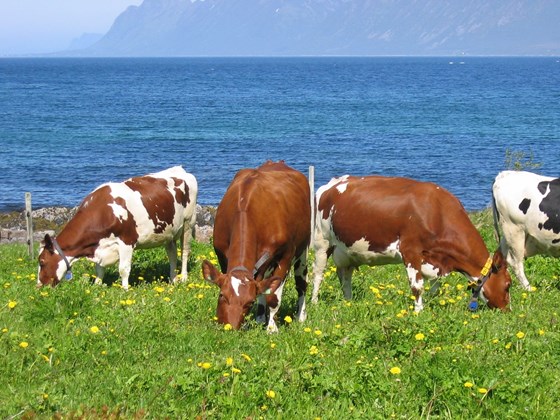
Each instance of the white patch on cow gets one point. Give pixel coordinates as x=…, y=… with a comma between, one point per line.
x=235, y=283
x=359, y=254
x=119, y=211
x=429, y=271
x=342, y=187
x=107, y=253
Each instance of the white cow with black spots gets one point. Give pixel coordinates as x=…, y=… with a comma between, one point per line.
x=527, y=212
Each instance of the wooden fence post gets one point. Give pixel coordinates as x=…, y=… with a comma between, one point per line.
x=312, y=201
x=29, y=222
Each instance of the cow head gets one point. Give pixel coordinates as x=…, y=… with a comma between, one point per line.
x=238, y=292
x=495, y=291
x=52, y=266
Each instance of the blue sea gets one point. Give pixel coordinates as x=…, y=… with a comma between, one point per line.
x=68, y=125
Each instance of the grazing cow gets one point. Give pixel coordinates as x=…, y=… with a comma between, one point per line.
x=262, y=227
x=376, y=220
x=142, y=212
x=527, y=210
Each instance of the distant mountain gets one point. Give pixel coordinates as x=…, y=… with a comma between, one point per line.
x=333, y=27
x=84, y=41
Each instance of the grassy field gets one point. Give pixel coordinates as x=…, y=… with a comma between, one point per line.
x=86, y=351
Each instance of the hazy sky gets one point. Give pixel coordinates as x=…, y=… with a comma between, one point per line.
x=39, y=26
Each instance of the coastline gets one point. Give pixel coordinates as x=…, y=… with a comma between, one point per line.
x=51, y=220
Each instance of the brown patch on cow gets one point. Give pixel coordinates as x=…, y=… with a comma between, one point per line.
x=181, y=197
x=157, y=200
x=127, y=231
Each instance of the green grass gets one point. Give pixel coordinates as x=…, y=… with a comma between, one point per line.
x=156, y=350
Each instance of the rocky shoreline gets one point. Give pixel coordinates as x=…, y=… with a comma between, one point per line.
x=51, y=220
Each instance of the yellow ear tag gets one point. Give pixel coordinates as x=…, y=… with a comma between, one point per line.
x=486, y=269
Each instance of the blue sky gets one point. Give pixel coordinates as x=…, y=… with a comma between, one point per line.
x=41, y=26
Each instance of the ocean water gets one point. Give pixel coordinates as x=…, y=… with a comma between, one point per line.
x=68, y=125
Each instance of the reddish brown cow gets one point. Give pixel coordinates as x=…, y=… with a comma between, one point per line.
x=141, y=212
x=376, y=220
x=262, y=227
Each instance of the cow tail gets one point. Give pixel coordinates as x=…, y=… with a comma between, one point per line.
x=496, y=217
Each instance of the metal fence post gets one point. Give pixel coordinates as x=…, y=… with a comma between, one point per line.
x=29, y=222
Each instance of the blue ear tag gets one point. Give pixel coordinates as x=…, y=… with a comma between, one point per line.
x=68, y=275
x=473, y=305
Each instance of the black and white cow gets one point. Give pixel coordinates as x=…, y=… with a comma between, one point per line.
x=527, y=211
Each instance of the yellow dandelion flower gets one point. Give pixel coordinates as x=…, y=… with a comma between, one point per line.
x=442, y=302
x=541, y=332
x=229, y=361
x=235, y=370
x=271, y=394
x=246, y=357
x=419, y=336
x=12, y=304
x=4, y=330
x=205, y=365
x=468, y=384
x=318, y=332
x=508, y=346
x=24, y=344
x=94, y=329
x=288, y=319
x=395, y=370
x=225, y=374
x=167, y=299
x=159, y=289
x=200, y=296
x=313, y=350
x=307, y=329
x=228, y=327
x=482, y=390
x=272, y=345
x=520, y=335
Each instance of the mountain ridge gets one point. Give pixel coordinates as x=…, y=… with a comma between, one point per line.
x=332, y=27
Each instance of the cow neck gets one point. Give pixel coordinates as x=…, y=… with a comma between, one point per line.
x=62, y=254
x=242, y=253
x=75, y=245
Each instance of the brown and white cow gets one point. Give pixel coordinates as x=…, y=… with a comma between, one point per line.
x=141, y=212
x=527, y=210
x=262, y=227
x=377, y=220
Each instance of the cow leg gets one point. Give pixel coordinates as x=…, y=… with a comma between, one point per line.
x=185, y=250
x=99, y=273
x=171, y=249
x=516, y=254
x=272, y=327
x=321, y=256
x=416, y=285
x=300, y=275
x=125, y=263
x=345, y=277
x=261, y=309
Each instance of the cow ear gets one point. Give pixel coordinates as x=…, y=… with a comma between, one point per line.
x=210, y=273
x=498, y=259
x=48, y=243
